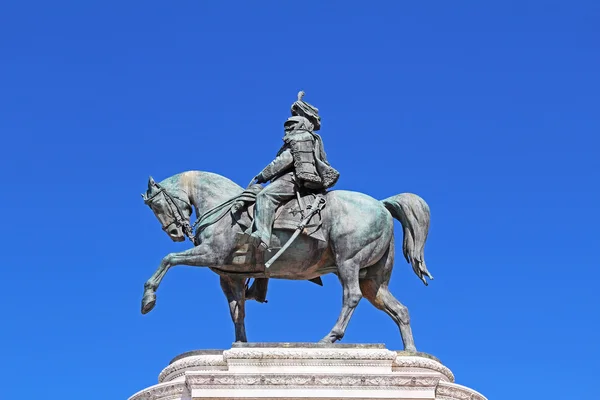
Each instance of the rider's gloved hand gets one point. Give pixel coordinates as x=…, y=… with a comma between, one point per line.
x=238, y=205
x=260, y=178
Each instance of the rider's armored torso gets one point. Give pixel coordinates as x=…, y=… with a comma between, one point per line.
x=302, y=146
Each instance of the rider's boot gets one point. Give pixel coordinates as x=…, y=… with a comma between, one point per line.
x=257, y=242
x=258, y=290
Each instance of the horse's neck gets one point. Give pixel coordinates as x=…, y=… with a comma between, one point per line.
x=207, y=190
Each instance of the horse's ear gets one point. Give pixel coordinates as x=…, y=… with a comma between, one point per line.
x=151, y=182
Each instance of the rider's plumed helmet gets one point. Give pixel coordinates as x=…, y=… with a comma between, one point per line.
x=300, y=108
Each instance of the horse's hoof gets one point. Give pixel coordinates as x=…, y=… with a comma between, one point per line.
x=327, y=339
x=148, y=303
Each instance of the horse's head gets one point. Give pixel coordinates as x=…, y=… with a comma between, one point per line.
x=172, y=211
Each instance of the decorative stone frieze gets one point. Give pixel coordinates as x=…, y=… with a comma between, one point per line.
x=294, y=371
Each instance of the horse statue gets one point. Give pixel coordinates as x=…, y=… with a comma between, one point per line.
x=356, y=244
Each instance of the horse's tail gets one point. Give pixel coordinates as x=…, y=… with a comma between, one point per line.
x=413, y=214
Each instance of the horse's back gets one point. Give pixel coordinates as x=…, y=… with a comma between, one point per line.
x=355, y=220
x=355, y=208
x=352, y=223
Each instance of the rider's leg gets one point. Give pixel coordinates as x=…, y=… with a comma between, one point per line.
x=258, y=290
x=267, y=201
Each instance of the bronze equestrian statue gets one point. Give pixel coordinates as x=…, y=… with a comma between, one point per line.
x=316, y=231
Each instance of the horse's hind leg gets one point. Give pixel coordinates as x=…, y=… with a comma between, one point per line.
x=374, y=286
x=348, y=274
x=234, y=289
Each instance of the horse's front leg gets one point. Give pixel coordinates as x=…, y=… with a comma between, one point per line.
x=196, y=257
x=234, y=289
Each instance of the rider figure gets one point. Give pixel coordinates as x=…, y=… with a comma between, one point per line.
x=301, y=164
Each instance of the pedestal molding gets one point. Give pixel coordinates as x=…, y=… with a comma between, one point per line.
x=217, y=381
x=177, y=368
x=309, y=354
x=264, y=371
x=456, y=392
x=164, y=391
x=410, y=362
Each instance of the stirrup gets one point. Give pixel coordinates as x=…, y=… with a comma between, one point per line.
x=242, y=238
x=258, y=244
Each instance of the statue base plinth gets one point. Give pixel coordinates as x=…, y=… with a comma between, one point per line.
x=305, y=371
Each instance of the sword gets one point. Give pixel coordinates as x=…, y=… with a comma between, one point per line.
x=315, y=208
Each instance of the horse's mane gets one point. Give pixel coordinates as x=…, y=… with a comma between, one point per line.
x=202, y=176
x=218, y=185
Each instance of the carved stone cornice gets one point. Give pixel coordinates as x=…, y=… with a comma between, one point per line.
x=309, y=371
x=165, y=391
x=192, y=363
x=413, y=364
x=456, y=392
x=307, y=381
x=308, y=354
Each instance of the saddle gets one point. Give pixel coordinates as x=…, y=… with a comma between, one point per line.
x=287, y=217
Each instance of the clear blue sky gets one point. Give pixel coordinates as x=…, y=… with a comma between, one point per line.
x=488, y=110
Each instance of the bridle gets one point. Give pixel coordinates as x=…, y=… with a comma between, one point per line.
x=177, y=216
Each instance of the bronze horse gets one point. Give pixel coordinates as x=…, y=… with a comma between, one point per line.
x=359, y=246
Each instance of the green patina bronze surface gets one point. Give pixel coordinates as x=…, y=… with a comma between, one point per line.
x=358, y=231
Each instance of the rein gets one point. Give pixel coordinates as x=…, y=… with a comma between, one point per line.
x=178, y=217
x=208, y=218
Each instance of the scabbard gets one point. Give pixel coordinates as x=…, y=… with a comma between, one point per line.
x=314, y=209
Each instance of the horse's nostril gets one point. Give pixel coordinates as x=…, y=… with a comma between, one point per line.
x=173, y=232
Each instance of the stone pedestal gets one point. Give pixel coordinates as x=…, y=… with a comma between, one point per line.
x=305, y=371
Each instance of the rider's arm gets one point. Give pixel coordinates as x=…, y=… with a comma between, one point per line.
x=283, y=161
